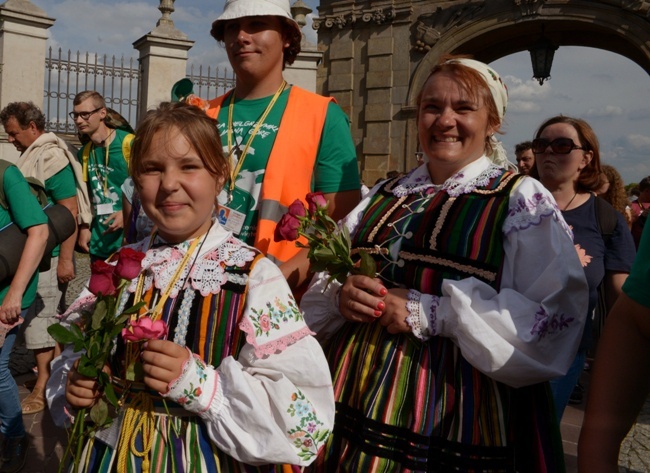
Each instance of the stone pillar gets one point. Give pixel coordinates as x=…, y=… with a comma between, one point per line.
x=23, y=36
x=378, y=112
x=163, y=60
x=304, y=69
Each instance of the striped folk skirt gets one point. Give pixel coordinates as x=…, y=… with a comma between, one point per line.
x=404, y=406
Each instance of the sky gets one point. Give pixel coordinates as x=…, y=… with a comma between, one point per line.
x=608, y=90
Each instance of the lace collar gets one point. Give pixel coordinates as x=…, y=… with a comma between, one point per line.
x=204, y=272
x=476, y=174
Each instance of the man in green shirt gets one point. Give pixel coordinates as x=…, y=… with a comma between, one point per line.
x=49, y=159
x=104, y=161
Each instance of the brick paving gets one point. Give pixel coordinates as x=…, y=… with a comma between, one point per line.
x=48, y=441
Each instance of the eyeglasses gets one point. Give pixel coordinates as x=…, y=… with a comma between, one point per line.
x=83, y=115
x=558, y=145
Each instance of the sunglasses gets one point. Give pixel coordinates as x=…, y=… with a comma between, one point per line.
x=558, y=145
x=83, y=115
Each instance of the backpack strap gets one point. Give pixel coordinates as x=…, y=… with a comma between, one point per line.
x=607, y=219
x=85, y=156
x=126, y=147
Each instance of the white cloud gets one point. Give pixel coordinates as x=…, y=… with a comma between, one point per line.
x=523, y=106
x=636, y=142
x=526, y=89
x=606, y=111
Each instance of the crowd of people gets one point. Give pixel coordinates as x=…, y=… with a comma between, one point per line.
x=491, y=285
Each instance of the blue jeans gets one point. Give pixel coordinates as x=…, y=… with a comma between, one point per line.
x=563, y=387
x=11, y=414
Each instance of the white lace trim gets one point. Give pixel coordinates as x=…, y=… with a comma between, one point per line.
x=275, y=346
x=526, y=212
x=413, y=319
x=418, y=181
x=207, y=272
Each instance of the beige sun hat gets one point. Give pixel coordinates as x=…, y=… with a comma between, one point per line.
x=242, y=8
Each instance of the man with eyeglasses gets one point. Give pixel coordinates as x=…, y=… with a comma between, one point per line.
x=104, y=159
x=52, y=161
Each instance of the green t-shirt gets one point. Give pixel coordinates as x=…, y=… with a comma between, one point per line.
x=106, y=174
x=24, y=211
x=637, y=285
x=58, y=187
x=336, y=167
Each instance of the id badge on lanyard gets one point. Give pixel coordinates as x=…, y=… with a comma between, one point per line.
x=231, y=219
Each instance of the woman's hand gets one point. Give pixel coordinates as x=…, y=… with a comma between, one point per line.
x=81, y=391
x=162, y=362
x=395, y=313
x=362, y=299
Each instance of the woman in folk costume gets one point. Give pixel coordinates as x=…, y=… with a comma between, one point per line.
x=441, y=362
x=244, y=381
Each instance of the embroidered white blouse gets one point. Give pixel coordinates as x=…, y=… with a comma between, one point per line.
x=254, y=406
x=526, y=332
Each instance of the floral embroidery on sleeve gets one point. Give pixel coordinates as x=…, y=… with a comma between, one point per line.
x=270, y=317
x=309, y=434
x=193, y=390
x=547, y=324
x=190, y=395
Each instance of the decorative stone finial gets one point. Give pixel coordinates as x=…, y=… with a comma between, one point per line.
x=166, y=7
x=299, y=11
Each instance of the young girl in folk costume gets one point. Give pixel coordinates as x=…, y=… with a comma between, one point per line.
x=243, y=380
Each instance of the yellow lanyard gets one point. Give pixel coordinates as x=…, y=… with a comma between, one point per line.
x=260, y=122
x=157, y=312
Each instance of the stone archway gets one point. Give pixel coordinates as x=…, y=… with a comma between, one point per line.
x=378, y=54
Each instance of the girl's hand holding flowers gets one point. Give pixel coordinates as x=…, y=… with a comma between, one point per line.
x=89, y=382
x=82, y=391
x=162, y=363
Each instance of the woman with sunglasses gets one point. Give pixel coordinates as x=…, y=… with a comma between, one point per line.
x=441, y=362
x=567, y=162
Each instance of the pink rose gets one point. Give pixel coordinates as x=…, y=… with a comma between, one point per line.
x=297, y=209
x=316, y=200
x=145, y=329
x=128, y=263
x=287, y=228
x=265, y=323
x=102, y=278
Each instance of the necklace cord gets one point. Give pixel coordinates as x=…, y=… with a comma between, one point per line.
x=570, y=202
x=260, y=122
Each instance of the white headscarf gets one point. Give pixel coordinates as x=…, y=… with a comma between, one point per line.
x=499, y=93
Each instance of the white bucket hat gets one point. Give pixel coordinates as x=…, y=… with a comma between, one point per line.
x=242, y=8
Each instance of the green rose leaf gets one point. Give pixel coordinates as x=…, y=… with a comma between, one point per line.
x=367, y=266
x=99, y=315
x=61, y=334
x=99, y=413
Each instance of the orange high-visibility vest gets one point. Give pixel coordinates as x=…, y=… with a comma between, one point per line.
x=290, y=168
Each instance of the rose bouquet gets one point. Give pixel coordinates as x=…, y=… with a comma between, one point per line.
x=95, y=334
x=330, y=247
